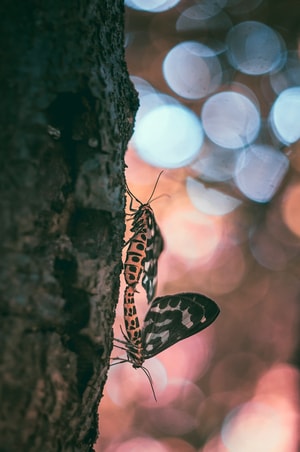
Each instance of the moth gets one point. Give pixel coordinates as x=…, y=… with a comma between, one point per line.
x=144, y=246
x=170, y=319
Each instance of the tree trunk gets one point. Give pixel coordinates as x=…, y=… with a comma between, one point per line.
x=67, y=109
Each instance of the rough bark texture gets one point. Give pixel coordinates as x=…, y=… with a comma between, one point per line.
x=67, y=109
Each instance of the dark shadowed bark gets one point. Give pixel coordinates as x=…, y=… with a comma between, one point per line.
x=67, y=109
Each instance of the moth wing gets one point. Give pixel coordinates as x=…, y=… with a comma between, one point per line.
x=173, y=318
x=155, y=246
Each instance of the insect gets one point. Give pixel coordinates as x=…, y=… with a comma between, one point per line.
x=170, y=319
x=132, y=324
x=133, y=339
x=144, y=246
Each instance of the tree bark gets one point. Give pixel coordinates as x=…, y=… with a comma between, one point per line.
x=67, y=108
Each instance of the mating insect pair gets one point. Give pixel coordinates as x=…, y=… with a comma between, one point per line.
x=169, y=319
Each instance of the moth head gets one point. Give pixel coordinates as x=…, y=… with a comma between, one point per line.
x=135, y=358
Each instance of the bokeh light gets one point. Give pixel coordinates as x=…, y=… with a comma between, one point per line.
x=268, y=251
x=284, y=116
x=206, y=15
x=226, y=260
x=177, y=139
x=154, y=6
x=230, y=119
x=192, y=70
x=188, y=245
x=259, y=172
x=193, y=357
x=142, y=86
x=288, y=75
x=254, y=48
x=218, y=85
x=269, y=421
x=209, y=200
x=253, y=426
x=215, y=163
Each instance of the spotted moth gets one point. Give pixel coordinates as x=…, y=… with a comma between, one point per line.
x=170, y=319
x=144, y=246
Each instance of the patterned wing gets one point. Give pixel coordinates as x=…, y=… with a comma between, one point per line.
x=155, y=245
x=175, y=317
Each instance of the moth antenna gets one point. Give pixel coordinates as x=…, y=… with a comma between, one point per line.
x=148, y=375
x=154, y=188
x=160, y=196
x=153, y=191
x=144, y=369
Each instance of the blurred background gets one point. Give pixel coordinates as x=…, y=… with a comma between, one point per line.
x=219, y=89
